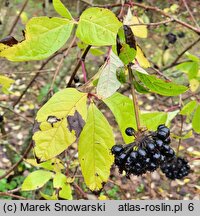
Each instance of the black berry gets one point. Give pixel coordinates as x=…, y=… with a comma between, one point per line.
x=171, y=38
x=117, y=149
x=76, y=79
x=129, y=131
x=176, y=169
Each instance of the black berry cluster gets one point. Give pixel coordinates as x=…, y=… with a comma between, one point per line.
x=149, y=151
x=176, y=169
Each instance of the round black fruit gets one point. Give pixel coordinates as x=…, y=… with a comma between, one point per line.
x=117, y=149
x=129, y=131
x=76, y=79
x=171, y=38
x=162, y=135
x=150, y=147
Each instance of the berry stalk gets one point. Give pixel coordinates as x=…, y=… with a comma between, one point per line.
x=134, y=98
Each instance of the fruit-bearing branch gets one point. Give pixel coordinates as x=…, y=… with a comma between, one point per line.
x=134, y=98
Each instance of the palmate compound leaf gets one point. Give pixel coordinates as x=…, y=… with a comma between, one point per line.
x=98, y=27
x=5, y=84
x=43, y=37
x=57, y=132
x=36, y=180
x=94, y=146
x=160, y=86
x=61, y=9
x=108, y=82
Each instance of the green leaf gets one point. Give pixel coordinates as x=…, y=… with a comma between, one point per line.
x=5, y=84
x=192, y=57
x=188, y=108
x=56, y=119
x=152, y=120
x=61, y=9
x=170, y=116
x=98, y=27
x=94, y=146
x=122, y=108
x=196, y=120
x=140, y=88
x=191, y=68
x=108, y=82
x=127, y=54
x=44, y=36
x=60, y=183
x=36, y=180
x=161, y=87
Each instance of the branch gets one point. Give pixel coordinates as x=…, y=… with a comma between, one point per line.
x=16, y=164
x=174, y=63
x=189, y=11
x=154, y=24
x=37, y=74
x=17, y=18
x=12, y=195
x=78, y=65
x=11, y=110
x=134, y=98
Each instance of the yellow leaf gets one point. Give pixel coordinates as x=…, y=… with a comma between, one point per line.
x=174, y=8
x=141, y=58
x=24, y=18
x=3, y=46
x=5, y=84
x=49, y=197
x=54, y=164
x=102, y=197
x=61, y=120
x=138, y=30
x=166, y=10
x=186, y=180
x=94, y=146
x=194, y=85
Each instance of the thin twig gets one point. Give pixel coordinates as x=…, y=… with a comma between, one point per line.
x=83, y=194
x=174, y=63
x=189, y=11
x=18, y=16
x=78, y=65
x=84, y=71
x=12, y=195
x=61, y=62
x=134, y=98
x=180, y=134
x=21, y=116
x=37, y=74
x=154, y=24
x=16, y=164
